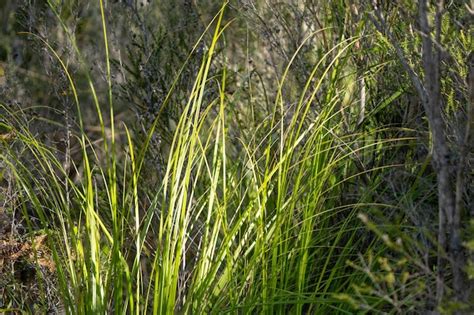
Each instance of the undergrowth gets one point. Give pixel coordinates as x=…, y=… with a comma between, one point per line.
x=277, y=220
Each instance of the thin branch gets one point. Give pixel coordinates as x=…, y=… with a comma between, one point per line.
x=381, y=25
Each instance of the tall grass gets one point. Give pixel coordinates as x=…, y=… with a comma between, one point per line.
x=258, y=231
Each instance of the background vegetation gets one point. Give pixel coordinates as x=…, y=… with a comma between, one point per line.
x=236, y=157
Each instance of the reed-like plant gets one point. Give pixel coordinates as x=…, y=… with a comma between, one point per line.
x=261, y=230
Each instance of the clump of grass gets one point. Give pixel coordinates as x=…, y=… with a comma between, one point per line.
x=261, y=231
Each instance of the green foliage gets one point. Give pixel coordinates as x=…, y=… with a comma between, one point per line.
x=197, y=172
